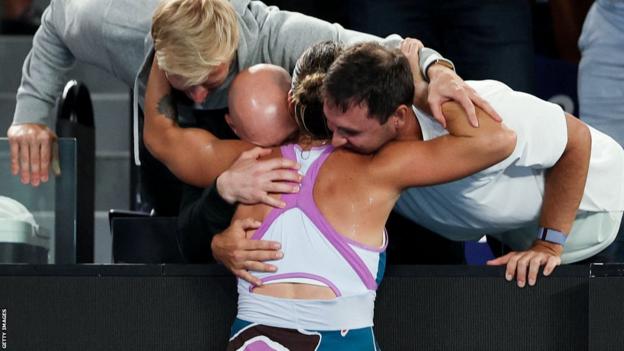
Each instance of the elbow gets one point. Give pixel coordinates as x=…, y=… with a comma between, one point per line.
x=149, y=141
x=153, y=144
x=579, y=137
x=503, y=142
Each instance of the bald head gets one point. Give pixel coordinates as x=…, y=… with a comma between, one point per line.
x=258, y=104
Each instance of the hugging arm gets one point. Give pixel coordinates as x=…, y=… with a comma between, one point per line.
x=199, y=217
x=464, y=151
x=442, y=86
x=197, y=157
x=194, y=155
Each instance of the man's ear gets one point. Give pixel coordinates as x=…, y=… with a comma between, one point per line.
x=400, y=116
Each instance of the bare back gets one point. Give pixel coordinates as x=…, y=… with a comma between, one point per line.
x=350, y=200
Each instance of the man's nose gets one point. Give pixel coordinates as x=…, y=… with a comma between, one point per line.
x=197, y=93
x=338, y=140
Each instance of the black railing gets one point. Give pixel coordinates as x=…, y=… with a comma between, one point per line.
x=75, y=120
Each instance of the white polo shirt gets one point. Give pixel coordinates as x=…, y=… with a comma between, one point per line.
x=509, y=195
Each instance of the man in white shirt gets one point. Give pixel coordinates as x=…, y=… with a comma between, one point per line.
x=563, y=176
x=542, y=184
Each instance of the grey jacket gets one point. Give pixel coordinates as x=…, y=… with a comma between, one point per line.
x=109, y=34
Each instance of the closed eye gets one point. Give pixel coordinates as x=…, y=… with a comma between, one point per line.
x=348, y=132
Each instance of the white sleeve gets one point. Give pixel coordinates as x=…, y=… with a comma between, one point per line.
x=540, y=126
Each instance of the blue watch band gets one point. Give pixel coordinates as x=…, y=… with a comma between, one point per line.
x=551, y=235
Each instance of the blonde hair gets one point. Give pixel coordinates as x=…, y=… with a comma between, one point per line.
x=193, y=37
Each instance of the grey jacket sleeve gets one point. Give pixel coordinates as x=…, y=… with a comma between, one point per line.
x=44, y=69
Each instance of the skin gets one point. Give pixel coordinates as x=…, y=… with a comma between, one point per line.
x=31, y=144
x=250, y=116
x=162, y=138
x=356, y=192
x=199, y=92
x=259, y=114
x=563, y=191
x=359, y=190
x=564, y=186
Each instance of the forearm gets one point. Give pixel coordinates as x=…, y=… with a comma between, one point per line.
x=468, y=149
x=565, y=181
x=192, y=154
x=464, y=151
x=203, y=213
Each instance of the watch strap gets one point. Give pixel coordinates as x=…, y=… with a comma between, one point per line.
x=428, y=57
x=551, y=236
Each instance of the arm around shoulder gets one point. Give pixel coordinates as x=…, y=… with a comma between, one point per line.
x=464, y=151
x=194, y=155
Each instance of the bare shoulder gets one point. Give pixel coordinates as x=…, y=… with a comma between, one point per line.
x=452, y=107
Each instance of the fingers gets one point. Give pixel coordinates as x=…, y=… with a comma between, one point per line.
x=267, y=199
x=551, y=264
x=262, y=256
x=255, y=153
x=262, y=245
x=500, y=260
x=30, y=152
x=534, y=266
x=410, y=47
x=436, y=110
x=468, y=106
x=520, y=264
x=244, y=275
x=524, y=266
x=35, y=166
x=485, y=106
x=277, y=163
x=14, y=146
x=279, y=179
x=247, y=224
x=282, y=187
x=45, y=162
x=510, y=271
x=255, y=266
x=24, y=161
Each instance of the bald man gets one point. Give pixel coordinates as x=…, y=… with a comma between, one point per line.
x=258, y=105
x=258, y=113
